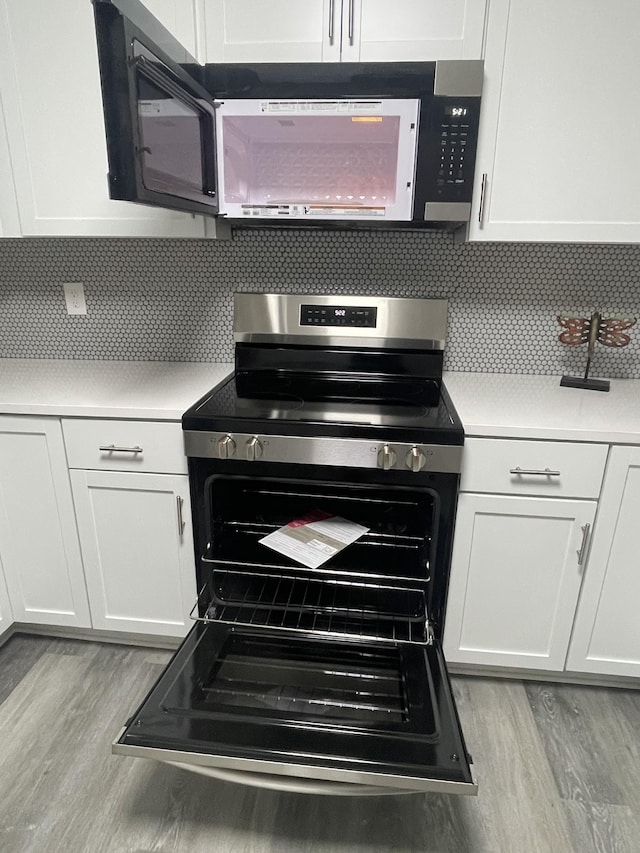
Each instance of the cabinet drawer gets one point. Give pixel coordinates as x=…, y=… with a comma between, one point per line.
x=575, y=470
x=137, y=446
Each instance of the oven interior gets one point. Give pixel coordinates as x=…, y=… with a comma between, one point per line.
x=377, y=588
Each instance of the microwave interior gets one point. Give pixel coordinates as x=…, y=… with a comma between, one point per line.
x=352, y=159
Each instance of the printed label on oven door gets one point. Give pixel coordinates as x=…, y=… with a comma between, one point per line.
x=314, y=538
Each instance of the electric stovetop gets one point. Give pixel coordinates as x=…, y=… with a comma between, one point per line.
x=403, y=420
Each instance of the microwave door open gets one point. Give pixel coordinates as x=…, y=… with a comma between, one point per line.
x=307, y=711
x=159, y=120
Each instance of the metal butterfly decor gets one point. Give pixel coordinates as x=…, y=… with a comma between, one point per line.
x=582, y=330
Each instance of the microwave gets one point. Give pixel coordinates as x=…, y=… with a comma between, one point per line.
x=391, y=144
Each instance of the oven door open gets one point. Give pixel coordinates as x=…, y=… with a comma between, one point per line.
x=305, y=707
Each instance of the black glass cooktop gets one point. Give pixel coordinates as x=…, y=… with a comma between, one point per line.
x=223, y=410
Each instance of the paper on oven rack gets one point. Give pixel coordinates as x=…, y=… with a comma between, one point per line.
x=314, y=538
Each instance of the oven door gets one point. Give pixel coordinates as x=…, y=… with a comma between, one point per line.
x=305, y=712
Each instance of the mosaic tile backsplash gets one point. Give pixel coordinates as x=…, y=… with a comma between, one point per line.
x=172, y=299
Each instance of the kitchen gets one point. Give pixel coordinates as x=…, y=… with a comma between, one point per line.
x=504, y=298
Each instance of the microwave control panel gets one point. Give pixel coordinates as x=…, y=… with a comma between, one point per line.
x=454, y=138
x=338, y=315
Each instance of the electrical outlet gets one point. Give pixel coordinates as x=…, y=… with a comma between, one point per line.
x=74, y=297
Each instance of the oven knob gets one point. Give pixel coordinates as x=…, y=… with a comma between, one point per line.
x=254, y=449
x=226, y=447
x=386, y=457
x=415, y=459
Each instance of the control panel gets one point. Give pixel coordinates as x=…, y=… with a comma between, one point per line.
x=454, y=137
x=338, y=315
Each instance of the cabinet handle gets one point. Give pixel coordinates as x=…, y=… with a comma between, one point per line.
x=113, y=448
x=583, y=548
x=181, y=521
x=483, y=187
x=331, y=17
x=536, y=472
x=351, y=17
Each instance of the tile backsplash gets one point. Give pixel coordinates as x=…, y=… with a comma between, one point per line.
x=172, y=299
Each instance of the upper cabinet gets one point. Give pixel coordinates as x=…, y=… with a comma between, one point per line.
x=9, y=220
x=50, y=93
x=341, y=30
x=557, y=155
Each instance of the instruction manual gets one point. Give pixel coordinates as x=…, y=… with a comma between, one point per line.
x=314, y=538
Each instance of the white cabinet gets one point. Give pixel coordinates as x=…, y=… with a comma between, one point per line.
x=515, y=580
x=180, y=17
x=347, y=30
x=132, y=507
x=50, y=90
x=519, y=550
x=39, y=548
x=557, y=152
x=6, y=614
x=9, y=221
x=606, y=635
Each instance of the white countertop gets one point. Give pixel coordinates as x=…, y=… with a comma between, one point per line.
x=149, y=390
x=489, y=404
x=515, y=406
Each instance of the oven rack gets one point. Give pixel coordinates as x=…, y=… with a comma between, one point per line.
x=328, y=607
x=237, y=544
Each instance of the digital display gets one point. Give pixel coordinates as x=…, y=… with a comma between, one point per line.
x=334, y=315
x=456, y=112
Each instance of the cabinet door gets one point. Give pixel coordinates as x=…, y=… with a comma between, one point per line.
x=180, y=18
x=606, y=635
x=6, y=614
x=9, y=221
x=50, y=89
x=515, y=579
x=38, y=539
x=557, y=149
x=275, y=31
x=137, y=547
x=404, y=30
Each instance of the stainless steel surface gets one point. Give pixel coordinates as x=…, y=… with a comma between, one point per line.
x=284, y=768
x=226, y=447
x=275, y=318
x=294, y=785
x=534, y=472
x=113, y=448
x=483, y=189
x=346, y=452
x=331, y=20
x=447, y=211
x=351, y=17
x=386, y=457
x=181, y=521
x=338, y=608
x=459, y=78
x=583, y=547
x=253, y=449
x=415, y=459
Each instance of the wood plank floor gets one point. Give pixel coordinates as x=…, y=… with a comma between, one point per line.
x=558, y=768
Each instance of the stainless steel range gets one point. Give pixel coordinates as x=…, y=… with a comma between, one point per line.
x=331, y=678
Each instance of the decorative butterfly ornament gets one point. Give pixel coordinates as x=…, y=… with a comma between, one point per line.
x=582, y=330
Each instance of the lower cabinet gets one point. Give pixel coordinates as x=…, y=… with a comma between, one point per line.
x=515, y=579
x=606, y=634
x=137, y=546
x=6, y=614
x=39, y=549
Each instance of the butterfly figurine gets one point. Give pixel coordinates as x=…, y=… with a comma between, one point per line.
x=582, y=330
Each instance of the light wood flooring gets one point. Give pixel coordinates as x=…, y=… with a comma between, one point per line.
x=558, y=768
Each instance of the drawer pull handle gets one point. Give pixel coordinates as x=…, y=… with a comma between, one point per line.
x=181, y=521
x=546, y=472
x=113, y=448
x=583, y=548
